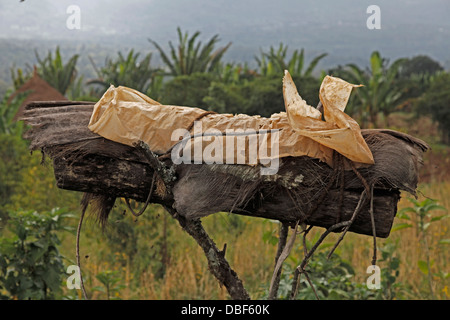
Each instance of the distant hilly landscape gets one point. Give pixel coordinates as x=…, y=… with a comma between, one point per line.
x=408, y=28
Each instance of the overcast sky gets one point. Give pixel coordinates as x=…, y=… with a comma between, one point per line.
x=408, y=27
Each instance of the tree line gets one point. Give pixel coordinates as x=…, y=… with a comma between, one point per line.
x=194, y=74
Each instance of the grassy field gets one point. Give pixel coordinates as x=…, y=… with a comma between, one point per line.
x=152, y=258
x=186, y=275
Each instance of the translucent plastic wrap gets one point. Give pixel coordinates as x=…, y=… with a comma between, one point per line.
x=127, y=116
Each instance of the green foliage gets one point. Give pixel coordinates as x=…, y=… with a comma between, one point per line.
x=190, y=56
x=62, y=77
x=79, y=92
x=57, y=74
x=390, y=288
x=127, y=235
x=36, y=187
x=12, y=149
x=380, y=91
x=155, y=237
x=128, y=71
x=24, y=182
x=264, y=97
x=187, y=90
x=8, y=112
x=225, y=222
x=332, y=280
x=232, y=73
x=274, y=63
x=19, y=77
x=261, y=96
x=414, y=78
x=111, y=284
x=30, y=263
x=332, y=277
x=225, y=98
x=271, y=236
x=422, y=214
x=436, y=102
x=122, y=236
x=419, y=65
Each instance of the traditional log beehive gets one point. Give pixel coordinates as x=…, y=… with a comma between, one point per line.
x=305, y=189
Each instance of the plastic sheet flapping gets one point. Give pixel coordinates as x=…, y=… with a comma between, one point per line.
x=339, y=131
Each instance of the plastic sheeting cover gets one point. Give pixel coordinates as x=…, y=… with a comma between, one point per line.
x=127, y=116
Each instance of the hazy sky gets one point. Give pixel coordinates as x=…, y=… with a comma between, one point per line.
x=408, y=27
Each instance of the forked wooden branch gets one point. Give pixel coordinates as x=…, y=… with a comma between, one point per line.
x=217, y=263
x=273, y=290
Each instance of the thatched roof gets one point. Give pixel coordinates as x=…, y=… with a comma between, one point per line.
x=38, y=90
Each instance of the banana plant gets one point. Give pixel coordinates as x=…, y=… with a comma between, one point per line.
x=232, y=73
x=380, y=92
x=190, y=56
x=59, y=75
x=275, y=62
x=19, y=76
x=127, y=71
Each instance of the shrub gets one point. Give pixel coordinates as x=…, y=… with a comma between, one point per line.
x=31, y=265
